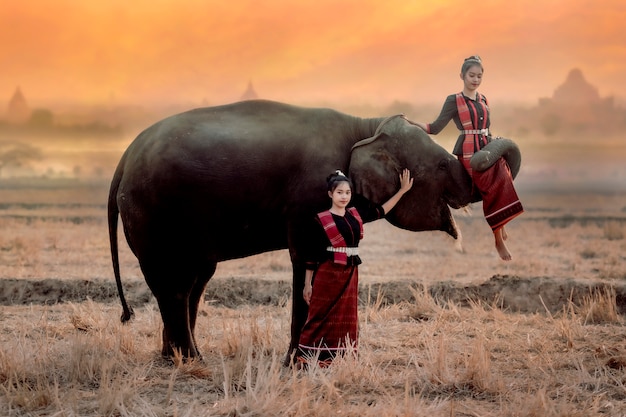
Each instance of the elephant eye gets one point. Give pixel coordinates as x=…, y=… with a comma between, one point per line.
x=443, y=165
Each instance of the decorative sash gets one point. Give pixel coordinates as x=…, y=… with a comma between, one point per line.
x=470, y=142
x=336, y=239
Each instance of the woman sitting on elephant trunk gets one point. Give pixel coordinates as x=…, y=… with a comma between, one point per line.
x=470, y=111
x=331, y=280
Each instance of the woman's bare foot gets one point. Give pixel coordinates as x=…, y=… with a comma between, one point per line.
x=503, y=251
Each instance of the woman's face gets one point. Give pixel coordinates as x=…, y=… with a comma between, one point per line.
x=341, y=195
x=473, y=77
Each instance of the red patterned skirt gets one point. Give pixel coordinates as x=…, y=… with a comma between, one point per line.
x=332, y=325
x=500, y=201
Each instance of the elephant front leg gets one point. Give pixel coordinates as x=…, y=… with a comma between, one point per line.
x=299, y=312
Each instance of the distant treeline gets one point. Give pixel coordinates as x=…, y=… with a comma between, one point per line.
x=29, y=128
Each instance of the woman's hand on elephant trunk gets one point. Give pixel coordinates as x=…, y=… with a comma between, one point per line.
x=306, y=293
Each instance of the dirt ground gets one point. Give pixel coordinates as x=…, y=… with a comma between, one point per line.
x=514, y=293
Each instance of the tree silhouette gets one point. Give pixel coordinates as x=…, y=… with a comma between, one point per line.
x=41, y=118
x=17, y=154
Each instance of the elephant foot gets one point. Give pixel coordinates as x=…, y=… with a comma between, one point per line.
x=179, y=356
x=179, y=352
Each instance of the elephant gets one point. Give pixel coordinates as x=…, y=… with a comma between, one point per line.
x=235, y=180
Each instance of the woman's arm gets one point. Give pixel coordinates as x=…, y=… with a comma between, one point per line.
x=406, y=182
x=447, y=112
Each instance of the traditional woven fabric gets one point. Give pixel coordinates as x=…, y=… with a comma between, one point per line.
x=500, y=201
x=335, y=238
x=332, y=324
x=471, y=142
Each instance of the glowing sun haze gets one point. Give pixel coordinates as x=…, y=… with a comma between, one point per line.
x=330, y=51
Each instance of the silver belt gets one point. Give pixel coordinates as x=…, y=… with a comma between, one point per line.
x=343, y=249
x=476, y=132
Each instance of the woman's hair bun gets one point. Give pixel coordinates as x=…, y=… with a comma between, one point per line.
x=335, y=178
x=473, y=58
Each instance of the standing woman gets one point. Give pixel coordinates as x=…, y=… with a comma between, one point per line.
x=331, y=280
x=470, y=111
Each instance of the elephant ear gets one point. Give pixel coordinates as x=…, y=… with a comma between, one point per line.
x=495, y=149
x=373, y=170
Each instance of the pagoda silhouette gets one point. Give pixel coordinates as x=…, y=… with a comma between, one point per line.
x=576, y=104
x=250, y=93
x=18, y=111
x=576, y=90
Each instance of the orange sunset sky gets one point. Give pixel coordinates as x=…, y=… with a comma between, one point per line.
x=307, y=52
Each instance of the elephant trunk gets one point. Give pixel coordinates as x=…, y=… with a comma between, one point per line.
x=494, y=150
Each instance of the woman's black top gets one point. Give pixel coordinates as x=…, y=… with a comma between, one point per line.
x=449, y=111
x=315, y=251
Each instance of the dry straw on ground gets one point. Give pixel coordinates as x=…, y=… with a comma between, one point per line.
x=79, y=360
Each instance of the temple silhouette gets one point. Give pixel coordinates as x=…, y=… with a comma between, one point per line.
x=18, y=111
x=576, y=106
x=250, y=93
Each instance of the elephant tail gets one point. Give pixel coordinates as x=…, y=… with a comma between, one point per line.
x=495, y=149
x=113, y=214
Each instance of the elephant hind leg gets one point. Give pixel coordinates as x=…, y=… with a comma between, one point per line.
x=197, y=293
x=177, y=334
x=172, y=288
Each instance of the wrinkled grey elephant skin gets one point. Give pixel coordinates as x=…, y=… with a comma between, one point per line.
x=227, y=182
x=493, y=151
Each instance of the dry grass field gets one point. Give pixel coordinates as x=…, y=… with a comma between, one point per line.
x=443, y=332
